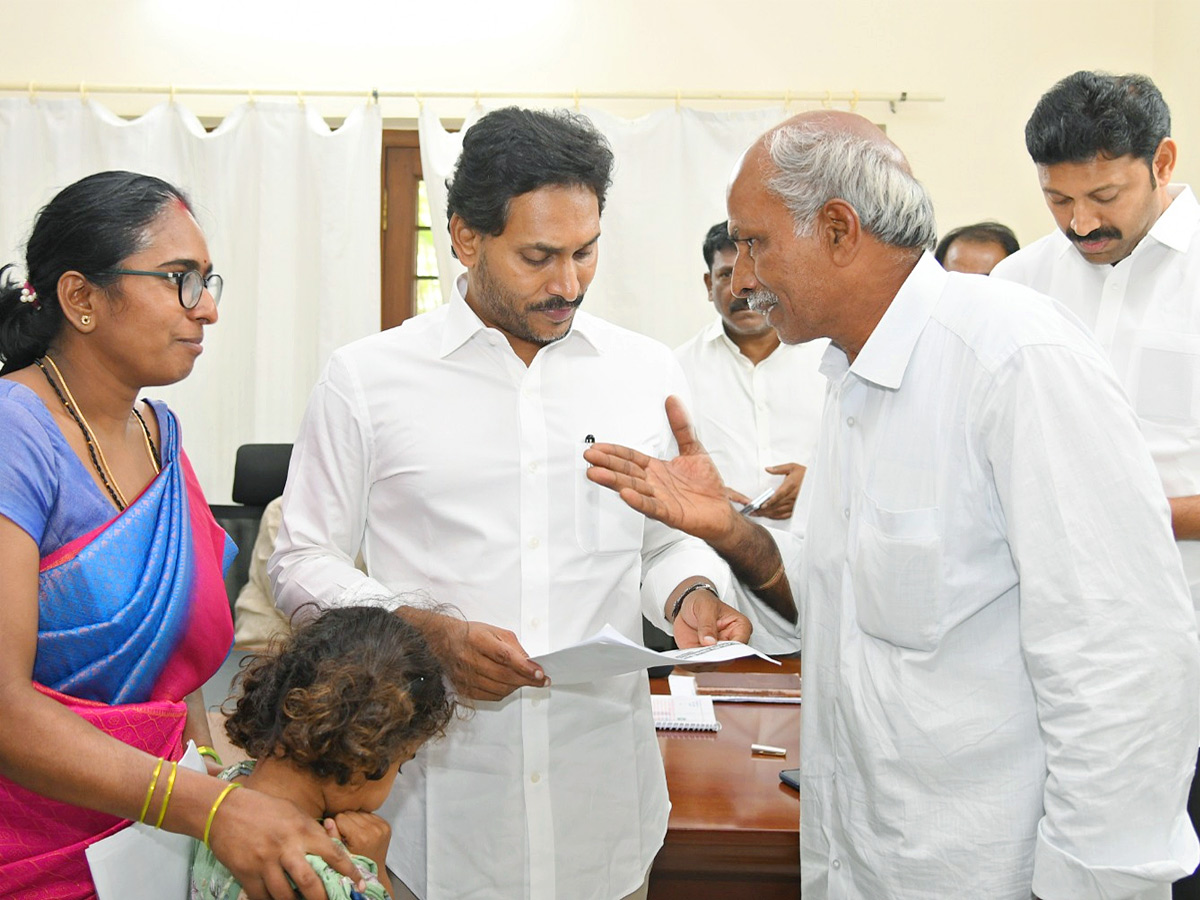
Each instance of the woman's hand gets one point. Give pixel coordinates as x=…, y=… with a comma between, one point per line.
x=263, y=841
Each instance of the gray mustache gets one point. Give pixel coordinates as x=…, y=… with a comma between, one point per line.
x=761, y=300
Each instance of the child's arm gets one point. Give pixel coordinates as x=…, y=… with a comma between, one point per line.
x=365, y=834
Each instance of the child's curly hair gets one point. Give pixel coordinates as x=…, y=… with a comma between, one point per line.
x=348, y=693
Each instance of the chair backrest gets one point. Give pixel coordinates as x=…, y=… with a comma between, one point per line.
x=260, y=472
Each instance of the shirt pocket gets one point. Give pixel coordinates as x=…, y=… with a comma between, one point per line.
x=1166, y=377
x=604, y=523
x=895, y=573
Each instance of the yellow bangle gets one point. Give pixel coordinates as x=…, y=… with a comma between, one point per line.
x=774, y=578
x=162, y=813
x=210, y=753
x=150, y=792
x=213, y=812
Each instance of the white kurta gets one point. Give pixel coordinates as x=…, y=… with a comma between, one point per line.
x=752, y=416
x=1145, y=313
x=1000, y=661
x=459, y=473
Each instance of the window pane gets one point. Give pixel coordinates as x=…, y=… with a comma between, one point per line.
x=428, y=295
x=426, y=255
x=422, y=206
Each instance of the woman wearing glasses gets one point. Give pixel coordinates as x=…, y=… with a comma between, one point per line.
x=113, y=610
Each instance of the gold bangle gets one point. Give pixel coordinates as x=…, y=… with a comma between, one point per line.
x=150, y=792
x=162, y=813
x=774, y=578
x=213, y=812
x=211, y=753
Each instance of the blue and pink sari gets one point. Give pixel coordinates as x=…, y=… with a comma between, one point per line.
x=132, y=617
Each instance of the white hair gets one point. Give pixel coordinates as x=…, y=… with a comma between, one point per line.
x=815, y=164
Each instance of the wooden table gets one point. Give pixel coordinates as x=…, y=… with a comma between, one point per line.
x=734, y=827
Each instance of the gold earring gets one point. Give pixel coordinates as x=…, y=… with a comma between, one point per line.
x=85, y=320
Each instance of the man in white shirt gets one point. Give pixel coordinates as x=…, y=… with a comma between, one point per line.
x=1000, y=660
x=1126, y=260
x=756, y=405
x=450, y=452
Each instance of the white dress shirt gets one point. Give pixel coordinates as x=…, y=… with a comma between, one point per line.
x=749, y=417
x=752, y=416
x=458, y=472
x=1145, y=313
x=1000, y=661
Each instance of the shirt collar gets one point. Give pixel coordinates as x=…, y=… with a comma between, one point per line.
x=886, y=354
x=462, y=324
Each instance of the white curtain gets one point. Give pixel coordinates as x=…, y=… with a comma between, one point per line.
x=672, y=168
x=291, y=213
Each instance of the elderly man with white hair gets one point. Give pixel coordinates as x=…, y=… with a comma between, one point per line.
x=1000, y=658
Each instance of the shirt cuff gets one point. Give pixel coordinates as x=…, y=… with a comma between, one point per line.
x=1058, y=873
x=685, y=559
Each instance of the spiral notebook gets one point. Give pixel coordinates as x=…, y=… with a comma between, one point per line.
x=677, y=713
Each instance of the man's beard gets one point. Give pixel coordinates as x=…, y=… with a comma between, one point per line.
x=502, y=308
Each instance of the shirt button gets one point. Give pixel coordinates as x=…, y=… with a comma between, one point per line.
x=535, y=777
x=837, y=863
x=537, y=701
x=533, y=467
x=535, y=622
x=850, y=421
x=846, y=512
x=534, y=543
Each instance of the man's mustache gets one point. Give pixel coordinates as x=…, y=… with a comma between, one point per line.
x=1098, y=234
x=556, y=303
x=761, y=300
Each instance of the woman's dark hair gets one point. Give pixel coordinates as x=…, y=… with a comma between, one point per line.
x=513, y=151
x=346, y=694
x=1091, y=114
x=979, y=233
x=89, y=227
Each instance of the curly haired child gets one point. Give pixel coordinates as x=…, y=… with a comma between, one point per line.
x=330, y=715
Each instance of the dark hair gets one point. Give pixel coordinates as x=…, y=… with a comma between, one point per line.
x=717, y=239
x=89, y=227
x=1094, y=113
x=346, y=694
x=513, y=151
x=979, y=233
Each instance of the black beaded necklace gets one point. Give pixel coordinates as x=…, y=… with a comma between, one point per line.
x=99, y=463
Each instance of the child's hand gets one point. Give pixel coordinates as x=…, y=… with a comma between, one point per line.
x=364, y=833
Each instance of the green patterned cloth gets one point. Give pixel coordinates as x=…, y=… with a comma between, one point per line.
x=212, y=881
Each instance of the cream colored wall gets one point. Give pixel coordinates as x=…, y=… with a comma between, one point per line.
x=990, y=60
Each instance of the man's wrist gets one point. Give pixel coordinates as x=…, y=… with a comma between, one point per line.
x=688, y=591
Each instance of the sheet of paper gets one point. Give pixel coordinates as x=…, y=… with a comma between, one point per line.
x=608, y=653
x=141, y=863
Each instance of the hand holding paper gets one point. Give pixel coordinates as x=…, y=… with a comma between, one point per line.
x=609, y=653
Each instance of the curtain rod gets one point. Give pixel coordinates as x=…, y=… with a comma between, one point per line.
x=375, y=94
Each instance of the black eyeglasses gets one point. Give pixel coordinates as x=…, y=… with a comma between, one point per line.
x=191, y=284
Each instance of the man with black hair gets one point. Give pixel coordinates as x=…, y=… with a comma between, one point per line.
x=975, y=249
x=756, y=405
x=1126, y=260
x=450, y=451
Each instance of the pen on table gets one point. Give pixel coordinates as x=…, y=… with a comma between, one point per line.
x=768, y=750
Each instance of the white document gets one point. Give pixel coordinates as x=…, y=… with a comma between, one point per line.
x=608, y=653
x=143, y=863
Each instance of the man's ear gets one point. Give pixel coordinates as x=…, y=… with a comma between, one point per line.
x=77, y=298
x=840, y=229
x=708, y=285
x=465, y=240
x=1163, y=164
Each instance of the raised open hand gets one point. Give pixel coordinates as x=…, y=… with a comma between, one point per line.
x=686, y=492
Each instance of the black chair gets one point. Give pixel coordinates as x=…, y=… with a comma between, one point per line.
x=259, y=474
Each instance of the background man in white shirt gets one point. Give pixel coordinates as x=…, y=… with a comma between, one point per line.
x=1000, y=659
x=1126, y=260
x=450, y=452
x=975, y=249
x=756, y=405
